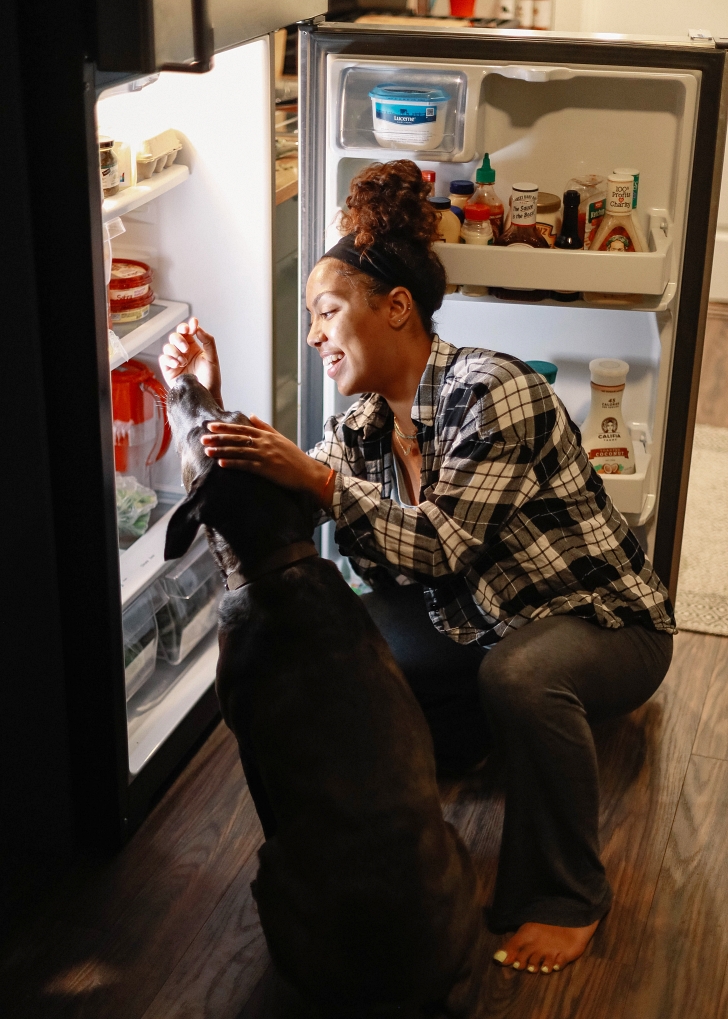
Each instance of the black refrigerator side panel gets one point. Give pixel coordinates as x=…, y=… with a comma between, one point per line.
x=695, y=290
x=35, y=804
x=65, y=202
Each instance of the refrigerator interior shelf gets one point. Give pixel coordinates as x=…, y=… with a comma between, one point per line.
x=143, y=192
x=159, y=707
x=630, y=492
x=638, y=273
x=143, y=562
x=163, y=317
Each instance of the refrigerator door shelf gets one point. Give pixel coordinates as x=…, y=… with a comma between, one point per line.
x=144, y=191
x=638, y=273
x=631, y=493
x=163, y=317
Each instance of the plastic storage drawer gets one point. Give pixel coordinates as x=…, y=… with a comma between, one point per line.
x=139, y=626
x=193, y=587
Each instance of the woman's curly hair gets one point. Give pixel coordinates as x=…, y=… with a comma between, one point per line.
x=387, y=205
x=390, y=199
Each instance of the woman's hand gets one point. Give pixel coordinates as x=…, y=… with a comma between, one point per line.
x=260, y=449
x=192, y=351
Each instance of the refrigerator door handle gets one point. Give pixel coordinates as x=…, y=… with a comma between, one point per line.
x=203, y=37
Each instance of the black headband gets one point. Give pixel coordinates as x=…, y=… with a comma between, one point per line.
x=383, y=263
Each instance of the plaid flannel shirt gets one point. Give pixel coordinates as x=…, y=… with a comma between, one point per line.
x=513, y=524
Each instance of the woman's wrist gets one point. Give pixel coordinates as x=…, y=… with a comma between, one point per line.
x=322, y=484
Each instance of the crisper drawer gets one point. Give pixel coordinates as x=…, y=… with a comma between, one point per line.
x=139, y=626
x=492, y=266
x=193, y=588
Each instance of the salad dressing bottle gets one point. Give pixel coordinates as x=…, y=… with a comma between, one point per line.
x=618, y=233
x=604, y=434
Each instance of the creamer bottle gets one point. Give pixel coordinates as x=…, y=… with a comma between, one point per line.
x=604, y=434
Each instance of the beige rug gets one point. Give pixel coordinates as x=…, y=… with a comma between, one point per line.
x=702, y=594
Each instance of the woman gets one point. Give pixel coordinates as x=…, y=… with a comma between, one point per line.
x=460, y=490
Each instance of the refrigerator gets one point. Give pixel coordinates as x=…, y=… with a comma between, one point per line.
x=123, y=710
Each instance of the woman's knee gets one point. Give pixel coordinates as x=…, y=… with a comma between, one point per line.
x=511, y=679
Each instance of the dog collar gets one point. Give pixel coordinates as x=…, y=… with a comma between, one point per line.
x=286, y=556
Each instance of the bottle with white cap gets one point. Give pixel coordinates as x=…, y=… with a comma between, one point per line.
x=604, y=434
x=618, y=232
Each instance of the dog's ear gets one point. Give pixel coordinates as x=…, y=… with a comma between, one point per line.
x=185, y=521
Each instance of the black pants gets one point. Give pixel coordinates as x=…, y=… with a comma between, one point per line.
x=539, y=688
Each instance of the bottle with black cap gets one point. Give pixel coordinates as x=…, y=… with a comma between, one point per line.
x=449, y=226
x=568, y=239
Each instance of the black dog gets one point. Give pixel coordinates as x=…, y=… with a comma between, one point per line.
x=368, y=899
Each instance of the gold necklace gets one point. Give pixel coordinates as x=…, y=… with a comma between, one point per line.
x=402, y=435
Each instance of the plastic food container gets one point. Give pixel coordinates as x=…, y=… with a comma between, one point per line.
x=408, y=117
x=139, y=627
x=193, y=588
x=129, y=279
x=131, y=309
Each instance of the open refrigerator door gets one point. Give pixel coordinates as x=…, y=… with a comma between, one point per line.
x=546, y=110
x=188, y=231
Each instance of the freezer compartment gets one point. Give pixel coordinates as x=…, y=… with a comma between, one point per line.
x=194, y=588
x=638, y=273
x=141, y=635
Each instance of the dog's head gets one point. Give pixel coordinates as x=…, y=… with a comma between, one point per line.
x=252, y=514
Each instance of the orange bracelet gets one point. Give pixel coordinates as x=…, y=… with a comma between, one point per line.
x=330, y=475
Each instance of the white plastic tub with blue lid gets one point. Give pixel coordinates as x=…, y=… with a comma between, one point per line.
x=408, y=117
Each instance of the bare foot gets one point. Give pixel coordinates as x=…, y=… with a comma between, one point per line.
x=541, y=947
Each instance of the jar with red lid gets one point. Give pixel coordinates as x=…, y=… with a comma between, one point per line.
x=130, y=290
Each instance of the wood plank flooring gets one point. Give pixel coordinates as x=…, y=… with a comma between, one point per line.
x=168, y=928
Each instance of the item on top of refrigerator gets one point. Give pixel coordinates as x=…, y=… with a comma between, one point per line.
x=129, y=279
x=604, y=434
x=408, y=117
x=430, y=177
x=505, y=9
x=163, y=148
x=477, y=229
x=548, y=216
x=618, y=232
x=132, y=309
x=134, y=504
x=462, y=8
x=141, y=431
x=569, y=239
x=193, y=587
x=139, y=627
x=460, y=192
x=593, y=191
x=485, y=194
x=542, y=14
x=524, y=13
x=108, y=166
x=449, y=222
x=546, y=368
x=145, y=165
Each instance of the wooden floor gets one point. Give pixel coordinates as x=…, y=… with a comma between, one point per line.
x=168, y=929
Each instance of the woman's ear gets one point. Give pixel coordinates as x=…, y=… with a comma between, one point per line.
x=400, y=307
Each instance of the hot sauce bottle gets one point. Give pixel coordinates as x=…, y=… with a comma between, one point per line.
x=604, y=434
x=485, y=194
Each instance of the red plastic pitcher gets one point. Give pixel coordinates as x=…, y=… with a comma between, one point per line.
x=141, y=431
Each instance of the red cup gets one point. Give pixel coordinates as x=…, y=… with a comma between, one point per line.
x=462, y=8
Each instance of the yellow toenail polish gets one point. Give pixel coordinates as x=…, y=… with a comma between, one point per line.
x=545, y=969
x=516, y=964
x=556, y=967
x=501, y=956
x=531, y=969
